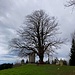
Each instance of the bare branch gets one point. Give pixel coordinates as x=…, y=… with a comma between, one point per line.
x=70, y=3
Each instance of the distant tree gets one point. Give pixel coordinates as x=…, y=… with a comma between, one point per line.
x=72, y=54
x=55, y=61
x=6, y=66
x=27, y=61
x=22, y=61
x=38, y=35
x=64, y=62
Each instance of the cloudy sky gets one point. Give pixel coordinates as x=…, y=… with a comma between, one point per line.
x=12, y=15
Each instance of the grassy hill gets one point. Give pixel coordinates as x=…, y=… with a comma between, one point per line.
x=31, y=69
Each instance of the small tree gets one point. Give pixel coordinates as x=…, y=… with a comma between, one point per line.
x=72, y=54
x=38, y=35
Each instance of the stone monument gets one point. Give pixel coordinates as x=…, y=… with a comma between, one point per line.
x=32, y=58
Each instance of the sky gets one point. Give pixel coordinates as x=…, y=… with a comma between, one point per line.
x=12, y=16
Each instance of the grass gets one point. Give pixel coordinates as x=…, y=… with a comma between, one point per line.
x=32, y=69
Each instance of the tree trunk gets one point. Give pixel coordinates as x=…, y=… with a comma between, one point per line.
x=41, y=58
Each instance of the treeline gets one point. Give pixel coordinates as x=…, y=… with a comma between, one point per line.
x=6, y=66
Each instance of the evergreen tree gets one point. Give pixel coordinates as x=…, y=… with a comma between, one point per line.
x=72, y=55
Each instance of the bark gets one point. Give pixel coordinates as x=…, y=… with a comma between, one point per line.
x=41, y=58
x=41, y=55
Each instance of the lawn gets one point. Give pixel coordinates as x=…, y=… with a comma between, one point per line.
x=32, y=69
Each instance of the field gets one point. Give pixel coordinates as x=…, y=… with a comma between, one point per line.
x=32, y=69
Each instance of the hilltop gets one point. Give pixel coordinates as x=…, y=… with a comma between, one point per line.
x=33, y=69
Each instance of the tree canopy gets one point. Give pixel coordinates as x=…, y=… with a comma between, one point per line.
x=38, y=35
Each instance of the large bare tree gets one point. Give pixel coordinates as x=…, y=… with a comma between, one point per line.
x=38, y=35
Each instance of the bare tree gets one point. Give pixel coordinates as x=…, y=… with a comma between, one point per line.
x=70, y=3
x=38, y=35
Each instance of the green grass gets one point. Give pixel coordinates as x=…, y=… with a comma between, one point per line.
x=31, y=69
